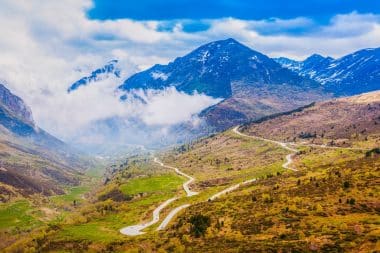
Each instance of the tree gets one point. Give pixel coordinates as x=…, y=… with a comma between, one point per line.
x=199, y=223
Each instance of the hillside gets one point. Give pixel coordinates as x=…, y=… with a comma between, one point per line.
x=32, y=160
x=251, y=194
x=340, y=122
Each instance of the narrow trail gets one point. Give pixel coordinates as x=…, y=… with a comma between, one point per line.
x=137, y=229
x=289, y=157
x=171, y=215
x=327, y=147
x=286, y=145
x=231, y=188
x=185, y=186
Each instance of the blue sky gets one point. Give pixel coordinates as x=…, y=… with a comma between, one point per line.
x=319, y=10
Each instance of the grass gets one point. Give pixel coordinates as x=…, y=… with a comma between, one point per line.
x=95, y=231
x=226, y=156
x=74, y=193
x=19, y=214
x=105, y=228
x=166, y=183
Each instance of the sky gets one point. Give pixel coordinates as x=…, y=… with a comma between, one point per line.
x=48, y=45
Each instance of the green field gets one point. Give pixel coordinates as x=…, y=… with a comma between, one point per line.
x=18, y=215
x=74, y=193
x=162, y=183
x=105, y=228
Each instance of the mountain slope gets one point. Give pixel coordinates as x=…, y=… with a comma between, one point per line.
x=351, y=74
x=344, y=122
x=251, y=83
x=329, y=203
x=212, y=68
x=32, y=160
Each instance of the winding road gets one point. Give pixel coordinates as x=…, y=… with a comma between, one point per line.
x=186, y=184
x=171, y=215
x=136, y=229
x=289, y=157
x=231, y=188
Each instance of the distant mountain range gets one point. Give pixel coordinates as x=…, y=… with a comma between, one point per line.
x=349, y=75
x=32, y=160
x=250, y=84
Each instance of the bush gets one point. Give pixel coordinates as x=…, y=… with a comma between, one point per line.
x=199, y=223
x=115, y=195
x=372, y=151
x=307, y=135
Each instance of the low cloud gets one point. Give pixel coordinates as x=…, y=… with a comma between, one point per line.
x=169, y=107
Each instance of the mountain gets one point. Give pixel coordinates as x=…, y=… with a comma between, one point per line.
x=110, y=69
x=32, y=160
x=349, y=75
x=288, y=63
x=251, y=84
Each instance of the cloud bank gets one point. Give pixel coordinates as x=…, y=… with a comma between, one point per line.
x=48, y=45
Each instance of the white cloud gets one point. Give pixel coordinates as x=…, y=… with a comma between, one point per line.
x=44, y=43
x=171, y=107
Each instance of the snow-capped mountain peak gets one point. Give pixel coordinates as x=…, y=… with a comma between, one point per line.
x=108, y=70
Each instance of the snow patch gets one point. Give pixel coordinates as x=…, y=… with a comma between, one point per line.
x=204, y=56
x=160, y=75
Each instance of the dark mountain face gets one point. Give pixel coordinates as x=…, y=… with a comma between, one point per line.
x=211, y=69
x=352, y=74
x=99, y=74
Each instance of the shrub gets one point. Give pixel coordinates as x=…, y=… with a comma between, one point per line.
x=199, y=223
x=372, y=151
x=267, y=198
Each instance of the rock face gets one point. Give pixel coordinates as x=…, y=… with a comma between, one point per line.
x=251, y=84
x=349, y=75
x=15, y=105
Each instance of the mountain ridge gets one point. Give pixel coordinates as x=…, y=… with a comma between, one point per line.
x=351, y=74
